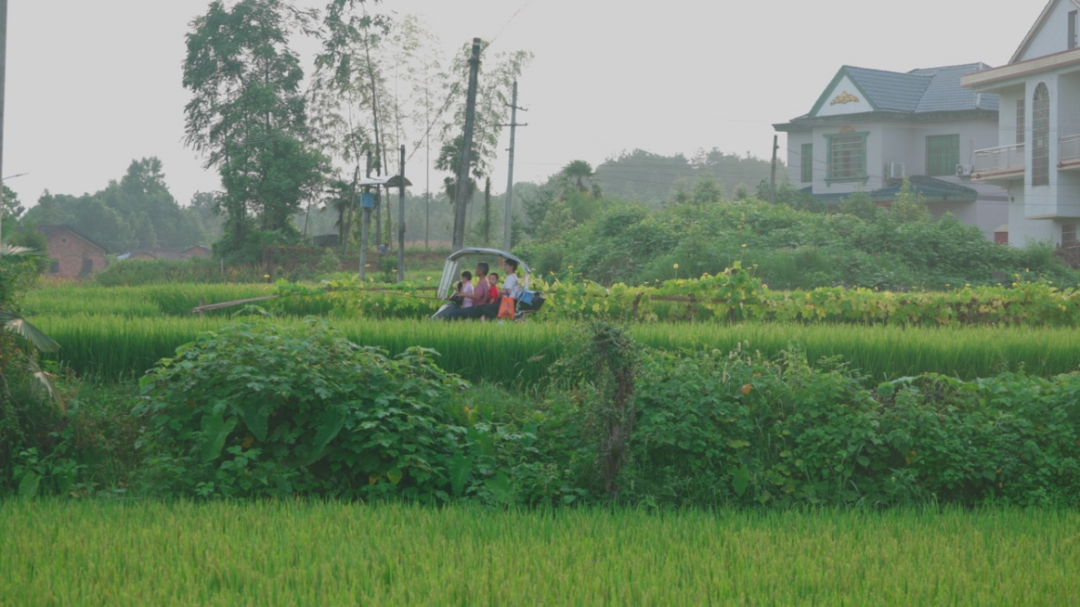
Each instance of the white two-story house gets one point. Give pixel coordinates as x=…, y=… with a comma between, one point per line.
x=1037, y=158
x=870, y=129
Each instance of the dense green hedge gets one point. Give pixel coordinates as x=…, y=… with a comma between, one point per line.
x=897, y=248
x=265, y=409
x=723, y=428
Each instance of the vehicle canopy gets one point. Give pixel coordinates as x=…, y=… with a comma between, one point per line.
x=452, y=269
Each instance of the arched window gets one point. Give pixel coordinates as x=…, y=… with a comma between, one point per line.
x=1040, y=136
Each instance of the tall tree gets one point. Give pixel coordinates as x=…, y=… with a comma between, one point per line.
x=247, y=115
x=494, y=94
x=11, y=208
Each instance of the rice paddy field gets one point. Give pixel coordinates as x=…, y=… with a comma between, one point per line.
x=305, y=553
x=115, y=347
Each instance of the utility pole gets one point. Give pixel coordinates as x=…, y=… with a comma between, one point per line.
x=772, y=179
x=466, y=150
x=365, y=229
x=427, y=178
x=510, y=174
x=401, y=221
x=3, y=74
x=347, y=232
x=487, y=211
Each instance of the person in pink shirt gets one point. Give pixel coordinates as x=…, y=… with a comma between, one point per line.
x=465, y=289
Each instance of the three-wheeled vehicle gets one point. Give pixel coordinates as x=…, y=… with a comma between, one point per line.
x=528, y=303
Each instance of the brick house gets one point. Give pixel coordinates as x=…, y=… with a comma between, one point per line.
x=73, y=254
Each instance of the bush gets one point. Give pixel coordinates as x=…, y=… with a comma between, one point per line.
x=896, y=248
x=263, y=409
x=719, y=429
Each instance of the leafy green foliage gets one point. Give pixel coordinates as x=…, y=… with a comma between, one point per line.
x=734, y=428
x=136, y=212
x=263, y=409
x=247, y=115
x=894, y=249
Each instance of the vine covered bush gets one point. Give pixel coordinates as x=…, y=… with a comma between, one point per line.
x=896, y=248
x=735, y=295
x=264, y=409
x=718, y=428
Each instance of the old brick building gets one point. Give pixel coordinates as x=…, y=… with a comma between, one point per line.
x=73, y=254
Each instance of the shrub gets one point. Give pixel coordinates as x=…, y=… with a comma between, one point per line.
x=264, y=409
x=719, y=429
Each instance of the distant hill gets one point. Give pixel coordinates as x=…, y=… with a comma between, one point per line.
x=646, y=177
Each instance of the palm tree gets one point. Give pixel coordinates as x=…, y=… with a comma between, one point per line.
x=14, y=323
x=578, y=175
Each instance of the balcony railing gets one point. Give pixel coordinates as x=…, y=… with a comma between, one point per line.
x=1070, y=149
x=1005, y=159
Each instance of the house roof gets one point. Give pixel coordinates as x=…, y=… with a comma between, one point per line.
x=49, y=230
x=934, y=190
x=163, y=253
x=920, y=91
x=1048, y=10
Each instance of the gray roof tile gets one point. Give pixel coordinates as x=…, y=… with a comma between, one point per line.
x=925, y=90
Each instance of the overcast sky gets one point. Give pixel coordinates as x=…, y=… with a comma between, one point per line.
x=93, y=85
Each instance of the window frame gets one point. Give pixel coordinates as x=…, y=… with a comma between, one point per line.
x=1040, y=136
x=935, y=157
x=829, y=165
x=1074, y=17
x=806, y=166
x=1070, y=240
x=1021, y=121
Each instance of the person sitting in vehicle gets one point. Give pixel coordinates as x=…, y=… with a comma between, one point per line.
x=464, y=291
x=511, y=286
x=493, y=288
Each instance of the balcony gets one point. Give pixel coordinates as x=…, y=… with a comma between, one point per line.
x=1004, y=163
x=1069, y=153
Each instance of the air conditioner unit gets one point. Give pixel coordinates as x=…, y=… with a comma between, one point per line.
x=894, y=170
x=964, y=170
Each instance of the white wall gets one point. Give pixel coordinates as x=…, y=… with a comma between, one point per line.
x=1053, y=37
x=795, y=142
x=1023, y=232
x=845, y=86
x=1007, y=115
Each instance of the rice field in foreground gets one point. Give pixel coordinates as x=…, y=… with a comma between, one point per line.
x=113, y=346
x=304, y=553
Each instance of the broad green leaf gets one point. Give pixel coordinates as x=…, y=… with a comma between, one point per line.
x=863, y=461
x=257, y=418
x=740, y=480
x=28, y=486
x=332, y=423
x=501, y=488
x=460, y=469
x=215, y=430
x=394, y=475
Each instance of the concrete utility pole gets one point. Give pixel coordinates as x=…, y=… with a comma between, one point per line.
x=466, y=150
x=772, y=179
x=510, y=174
x=365, y=229
x=401, y=221
x=3, y=74
x=487, y=212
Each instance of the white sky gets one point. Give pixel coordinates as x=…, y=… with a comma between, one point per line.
x=93, y=85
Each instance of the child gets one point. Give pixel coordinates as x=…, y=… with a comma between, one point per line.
x=465, y=287
x=493, y=288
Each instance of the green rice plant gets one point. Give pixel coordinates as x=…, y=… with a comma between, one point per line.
x=151, y=301
x=312, y=553
x=119, y=346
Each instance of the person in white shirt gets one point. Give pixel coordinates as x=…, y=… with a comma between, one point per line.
x=511, y=286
